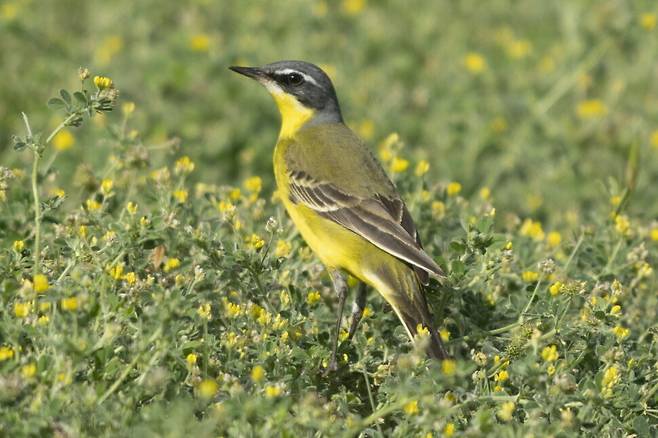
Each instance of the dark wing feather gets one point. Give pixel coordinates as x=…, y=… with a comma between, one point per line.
x=383, y=221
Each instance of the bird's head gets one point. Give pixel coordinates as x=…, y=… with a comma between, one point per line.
x=301, y=90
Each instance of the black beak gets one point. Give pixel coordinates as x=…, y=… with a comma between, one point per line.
x=250, y=72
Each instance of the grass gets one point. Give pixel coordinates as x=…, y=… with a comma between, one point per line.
x=152, y=284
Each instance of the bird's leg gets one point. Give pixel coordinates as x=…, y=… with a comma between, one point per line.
x=340, y=286
x=358, y=306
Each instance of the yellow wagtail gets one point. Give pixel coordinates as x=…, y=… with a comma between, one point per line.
x=343, y=204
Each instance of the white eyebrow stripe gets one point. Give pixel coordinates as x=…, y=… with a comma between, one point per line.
x=287, y=71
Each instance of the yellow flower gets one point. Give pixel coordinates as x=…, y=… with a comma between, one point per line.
x=63, y=140
x=28, y=371
x=621, y=332
x=654, y=139
x=283, y=248
x=554, y=239
x=449, y=367
x=453, y=188
x=131, y=208
x=171, y=264
x=449, y=430
x=70, y=304
x=438, y=209
x=21, y=310
x=184, y=165
x=180, y=195
x=257, y=374
x=506, y=411
x=191, y=359
x=411, y=408
x=116, y=271
x=485, y=193
x=550, y=370
x=615, y=310
x=93, y=205
x=232, y=309
x=205, y=311
x=272, y=391
x=366, y=129
x=591, y=109
x=128, y=108
x=555, y=288
x=102, y=82
x=654, y=234
x=399, y=165
x=6, y=353
x=501, y=376
x=550, y=354
x=518, y=49
x=313, y=297
x=610, y=378
x=253, y=184
x=422, y=168
x=107, y=185
x=235, y=194
x=130, y=278
x=615, y=200
x=208, y=388
x=532, y=229
x=200, y=42
x=353, y=7
x=530, y=276
x=255, y=242
x=475, y=63
x=648, y=21
x=40, y=283
x=622, y=224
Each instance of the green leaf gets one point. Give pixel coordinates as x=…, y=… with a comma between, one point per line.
x=65, y=95
x=80, y=97
x=55, y=102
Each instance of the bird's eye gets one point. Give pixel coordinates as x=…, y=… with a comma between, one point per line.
x=293, y=79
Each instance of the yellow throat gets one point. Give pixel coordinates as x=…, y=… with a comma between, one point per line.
x=293, y=113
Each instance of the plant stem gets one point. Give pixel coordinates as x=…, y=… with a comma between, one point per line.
x=532, y=297
x=35, y=195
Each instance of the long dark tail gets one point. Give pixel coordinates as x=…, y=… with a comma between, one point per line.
x=435, y=348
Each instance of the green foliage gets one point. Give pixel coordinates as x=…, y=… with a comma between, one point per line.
x=149, y=291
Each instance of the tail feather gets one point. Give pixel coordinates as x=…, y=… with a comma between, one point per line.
x=435, y=347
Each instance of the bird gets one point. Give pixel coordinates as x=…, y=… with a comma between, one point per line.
x=343, y=203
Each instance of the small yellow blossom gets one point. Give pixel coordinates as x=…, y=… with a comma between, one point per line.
x=257, y=374
x=555, y=288
x=422, y=168
x=200, y=42
x=485, y=193
x=253, y=184
x=43, y=320
x=475, y=63
x=622, y=224
x=171, y=264
x=449, y=430
x=225, y=207
x=550, y=354
x=93, y=205
x=235, y=194
x=648, y=20
x=615, y=200
x=621, y=332
x=128, y=108
x=532, y=229
x=107, y=185
x=550, y=370
x=283, y=248
x=40, y=283
x=29, y=371
x=102, y=82
x=6, y=353
x=313, y=297
x=453, y=188
x=654, y=234
x=180, y=195
x=18, y=245
x=615, y=310
x=191, y=359
x=609, y=380
x=591, y=109
x=116, y=271
x=449, y=367
x=366, y=129
x=367, y=312
x=272, y=391
x=83, y=231
x=506, y=411
x=183, y=165
x=653, y=139
x=208, y=388
x=438, y=209
x=63, y=140
x=353, y=7
x=131, y=208
x=399, y=165
x=255, y=242
x=501, y=376
x=205, y=311
x=554, y=239
x=232, y=309
x=411, y=408
x=530, y=276
x=22, y=310
x=445, y=334
x=70, y=304
x=130, y=278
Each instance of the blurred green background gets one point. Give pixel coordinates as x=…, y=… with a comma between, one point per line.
x=538, y=100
